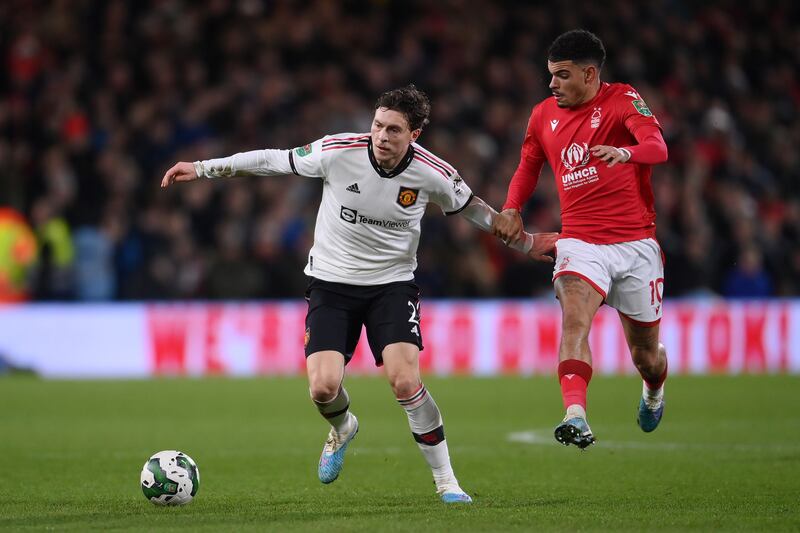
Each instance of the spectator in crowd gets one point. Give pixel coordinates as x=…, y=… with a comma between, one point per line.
x=748, y=278
x=54, y=276
x=88, y=87
x=18, y=253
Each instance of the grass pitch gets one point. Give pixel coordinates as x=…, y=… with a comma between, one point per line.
x=726, y=457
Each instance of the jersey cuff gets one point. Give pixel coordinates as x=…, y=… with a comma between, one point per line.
x=291, y=162
x=199, y=169
x=457, y=211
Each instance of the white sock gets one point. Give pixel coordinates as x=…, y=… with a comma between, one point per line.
x=576, y=410
x=438, y=458
x=652, y=397
x=337, y=412
x=426, y=425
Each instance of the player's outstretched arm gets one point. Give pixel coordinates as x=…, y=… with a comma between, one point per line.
x=181, y=171
x=507, y=225
x=536, y=246
x=268, y=162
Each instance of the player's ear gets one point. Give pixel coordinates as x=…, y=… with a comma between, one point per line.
x=415, y=134
x=590, y=74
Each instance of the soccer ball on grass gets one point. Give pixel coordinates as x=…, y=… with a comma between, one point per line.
x=170, y=478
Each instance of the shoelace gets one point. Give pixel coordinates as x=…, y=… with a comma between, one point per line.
x=331, y=443
x=334, y=441
x=652, y=403
x=449, y=488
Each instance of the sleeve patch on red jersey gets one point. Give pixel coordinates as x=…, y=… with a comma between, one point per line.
x=642, y=108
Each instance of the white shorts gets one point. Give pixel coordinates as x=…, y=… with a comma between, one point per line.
x=629, y=275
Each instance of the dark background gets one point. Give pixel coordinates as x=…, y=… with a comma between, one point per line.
x=98, y=99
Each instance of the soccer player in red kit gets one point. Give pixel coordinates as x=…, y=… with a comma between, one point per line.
x=600, y=139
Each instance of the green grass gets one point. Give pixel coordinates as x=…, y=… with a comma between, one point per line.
x=727, y=457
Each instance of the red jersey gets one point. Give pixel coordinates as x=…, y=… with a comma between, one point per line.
x=599, y=204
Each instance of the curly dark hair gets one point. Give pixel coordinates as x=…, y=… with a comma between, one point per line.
x=578, y=46
x=410, y=101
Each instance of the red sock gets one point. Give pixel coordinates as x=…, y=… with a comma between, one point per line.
x=574, y=376
x=655, y=385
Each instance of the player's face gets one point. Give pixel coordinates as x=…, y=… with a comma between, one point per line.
x=571, y=84
x=391, y=136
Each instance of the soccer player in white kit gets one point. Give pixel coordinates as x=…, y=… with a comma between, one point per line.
x=376, y=187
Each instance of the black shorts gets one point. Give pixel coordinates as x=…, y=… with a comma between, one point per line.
x=336, y=312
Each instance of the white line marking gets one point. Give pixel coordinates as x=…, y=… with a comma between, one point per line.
x=544, y=437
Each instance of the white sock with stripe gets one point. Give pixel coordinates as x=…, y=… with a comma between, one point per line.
x=337, y=411
x=426, y=425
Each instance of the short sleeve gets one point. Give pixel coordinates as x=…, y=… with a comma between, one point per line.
x=451, y=194
x=307, y=160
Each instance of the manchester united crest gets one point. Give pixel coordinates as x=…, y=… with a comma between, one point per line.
x=407, y=197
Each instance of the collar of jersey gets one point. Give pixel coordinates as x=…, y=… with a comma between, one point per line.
x=396, y=170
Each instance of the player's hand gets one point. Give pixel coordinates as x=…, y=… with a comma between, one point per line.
x=181, y=171
x=544, y=244
x=508, y=226
x=610, y=154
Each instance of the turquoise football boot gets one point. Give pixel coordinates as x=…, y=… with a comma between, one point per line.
x=332, y=458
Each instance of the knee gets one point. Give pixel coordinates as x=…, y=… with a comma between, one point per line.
x=323, y=390
x=404, y=386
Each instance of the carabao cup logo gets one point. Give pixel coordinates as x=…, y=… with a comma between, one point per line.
x=575, y=156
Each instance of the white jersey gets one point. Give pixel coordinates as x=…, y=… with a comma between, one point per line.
x=368, y=224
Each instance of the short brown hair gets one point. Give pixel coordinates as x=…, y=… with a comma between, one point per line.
x=411, y=102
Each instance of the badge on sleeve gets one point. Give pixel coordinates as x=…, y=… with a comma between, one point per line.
x=642, y=108
x=407, y=197
x=303, y=151
x=457, y=182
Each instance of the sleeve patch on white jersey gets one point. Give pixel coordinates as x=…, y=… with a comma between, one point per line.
x=303, y=151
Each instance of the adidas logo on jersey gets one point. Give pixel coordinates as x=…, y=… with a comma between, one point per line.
x=353, y=188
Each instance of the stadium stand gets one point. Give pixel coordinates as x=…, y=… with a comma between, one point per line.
x=90, y=120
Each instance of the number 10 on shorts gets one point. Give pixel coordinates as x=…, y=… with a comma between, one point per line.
x=656, y=291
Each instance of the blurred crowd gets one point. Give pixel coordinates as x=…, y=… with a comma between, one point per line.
x=99, y=98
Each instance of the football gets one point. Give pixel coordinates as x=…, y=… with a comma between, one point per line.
x=170, y=478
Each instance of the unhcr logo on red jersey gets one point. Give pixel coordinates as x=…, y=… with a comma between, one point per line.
x=579, y=176
x=575, y=156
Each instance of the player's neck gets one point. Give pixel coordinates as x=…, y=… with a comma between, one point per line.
x=391, y=164
x=591, y=93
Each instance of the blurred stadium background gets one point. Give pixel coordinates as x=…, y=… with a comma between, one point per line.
x=100, y=98
x=105, y=275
